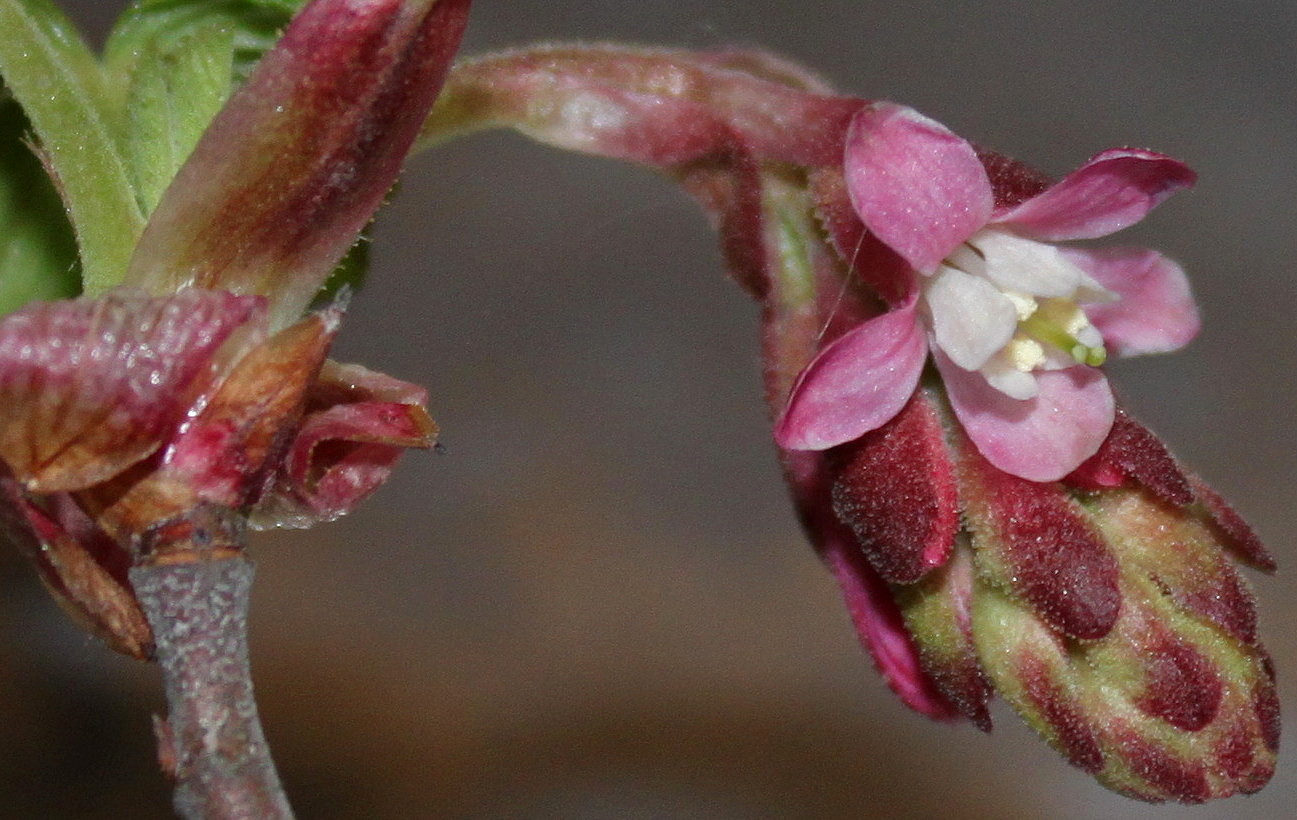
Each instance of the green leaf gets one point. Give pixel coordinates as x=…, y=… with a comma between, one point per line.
x=58, y=83
x=157, y=24
x=178, y=85
x=171, y=65
x=38, y=253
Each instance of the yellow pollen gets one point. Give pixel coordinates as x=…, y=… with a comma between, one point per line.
x=1022, y=303
x=1024, y=353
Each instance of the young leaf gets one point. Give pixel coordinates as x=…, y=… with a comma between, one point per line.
x=58, y=83
x=37, y=250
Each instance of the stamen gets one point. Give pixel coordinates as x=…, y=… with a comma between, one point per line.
x=1038, y=326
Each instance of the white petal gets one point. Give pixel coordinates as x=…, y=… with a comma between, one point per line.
x=971, y=318
x=1035, y=268
x=1089, y=290
x=1010, y=380
x=967, y=259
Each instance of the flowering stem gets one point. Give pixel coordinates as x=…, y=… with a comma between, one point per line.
x=211, y=740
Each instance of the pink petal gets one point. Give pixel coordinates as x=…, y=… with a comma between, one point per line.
x=1156, y=312
x=1116, y=188
x=857, y=384
x=1039, y=439
x=297, y=162
x=919, y=187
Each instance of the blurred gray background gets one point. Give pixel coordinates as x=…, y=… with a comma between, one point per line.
x=596, y=604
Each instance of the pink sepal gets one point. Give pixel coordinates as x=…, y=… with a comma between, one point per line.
x=856, y=384
x=916, y=185
x=1113, y=190
x=1156, y=312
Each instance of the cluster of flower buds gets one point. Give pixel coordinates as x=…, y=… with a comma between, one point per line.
x=996, y=522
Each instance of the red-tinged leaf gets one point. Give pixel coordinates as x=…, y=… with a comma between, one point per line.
x=1036, y=541
x=357, y=424
x=299, y=159
x=91, y=387
x=895, y=488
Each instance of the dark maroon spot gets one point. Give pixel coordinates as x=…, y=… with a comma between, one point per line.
x=1072, y=733
x=895, y=488
x=1180, y=779
x=1053, y=556
x=1181, y=686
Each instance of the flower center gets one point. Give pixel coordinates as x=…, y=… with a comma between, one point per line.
x=1006, y=306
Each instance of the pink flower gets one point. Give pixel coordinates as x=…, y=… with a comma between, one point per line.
x=1016, y=325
